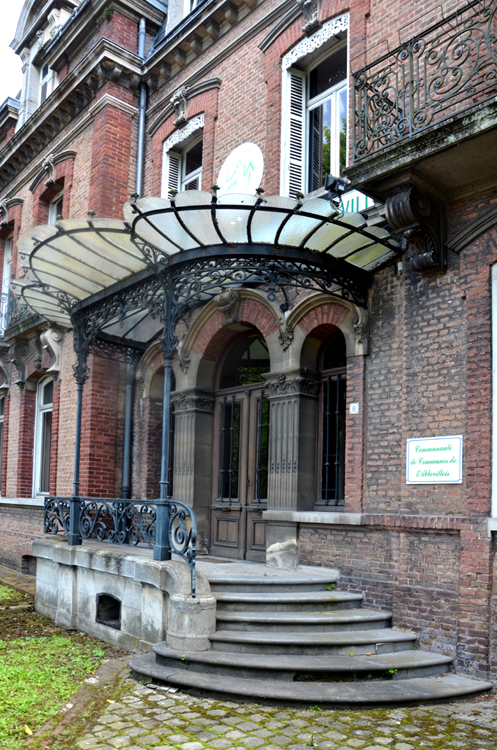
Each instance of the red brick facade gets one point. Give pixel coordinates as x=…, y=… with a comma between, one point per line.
x=425, y=369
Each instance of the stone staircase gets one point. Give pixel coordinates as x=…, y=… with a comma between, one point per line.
x=296, y=640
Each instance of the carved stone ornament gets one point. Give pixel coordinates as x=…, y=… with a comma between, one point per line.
x=285, y=334
x=19, y=353
x=191, y=402
x=293, y=386
x=4, y=213
x=48, y=166
x=228, y=303
x=420, y=221
x=179, y=101
x=310, y=10
x=51, y=341
x=360, y=324
x=183, y=360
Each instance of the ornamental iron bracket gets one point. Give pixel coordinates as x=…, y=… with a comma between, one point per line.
x=420, y=220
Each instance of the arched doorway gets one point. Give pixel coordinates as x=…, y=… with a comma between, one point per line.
x=240, y=450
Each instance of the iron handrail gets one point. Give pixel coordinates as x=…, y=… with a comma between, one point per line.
x=127, y=523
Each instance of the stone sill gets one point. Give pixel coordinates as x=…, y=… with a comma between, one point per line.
x=314, y=517
x=31, y=502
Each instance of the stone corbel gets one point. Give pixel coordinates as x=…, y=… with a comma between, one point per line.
x=361, y=326
x=51, y=342
x=285, y=334
x=48, y=166
x=310, y=11
x=18, y=354
x=183, y=360
x=228, y=303
x=421, y=222
x=179, y=101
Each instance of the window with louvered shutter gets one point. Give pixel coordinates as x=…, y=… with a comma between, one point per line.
x=172, y=176
x=296, y=133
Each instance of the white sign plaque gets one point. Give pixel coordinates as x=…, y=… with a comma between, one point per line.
x=242, y=170
x=436, y=460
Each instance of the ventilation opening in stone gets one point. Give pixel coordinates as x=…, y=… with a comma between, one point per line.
x=109, y=611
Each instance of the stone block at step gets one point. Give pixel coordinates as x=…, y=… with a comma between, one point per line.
x=396, y=666
x=287, y=601
x=340, y=643
x=359, y=693
x=239, y=584
x=303, y=622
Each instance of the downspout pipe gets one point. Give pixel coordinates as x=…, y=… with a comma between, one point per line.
x=141, y=114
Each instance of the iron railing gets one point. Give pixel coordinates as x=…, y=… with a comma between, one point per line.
x=451, y=67
x=12, y=311
x=126, y=522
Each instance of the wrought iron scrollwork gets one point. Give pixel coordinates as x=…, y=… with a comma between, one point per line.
x=427, y=80
x=56, y=515
x=183, y=535
x=127, y=522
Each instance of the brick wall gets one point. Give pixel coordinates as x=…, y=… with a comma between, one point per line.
x=19, y=527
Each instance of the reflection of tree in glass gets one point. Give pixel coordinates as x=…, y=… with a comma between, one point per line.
x=343, y=145
x=326, y=163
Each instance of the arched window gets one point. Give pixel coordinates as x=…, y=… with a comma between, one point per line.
x=43, y=437
x=6, y=276
x=333, y=402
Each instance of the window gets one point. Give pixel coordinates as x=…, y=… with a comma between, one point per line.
x=183, y=169
x=46, y=76
x=7, y=269
x=333, y=403
x=316, y=128
x=55, y=208
x=43, y=437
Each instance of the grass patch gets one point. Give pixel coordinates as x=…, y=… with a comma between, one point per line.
x=37, y=677
x=6, y=593
x=42, y=666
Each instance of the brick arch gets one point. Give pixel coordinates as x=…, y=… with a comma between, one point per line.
x=213, y=337
x=324, y=319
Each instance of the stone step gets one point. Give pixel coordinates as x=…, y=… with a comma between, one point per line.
x=341, y=643
x=287, y=601
x=247, y=584
x=303, y=622
x=361, y=693
x=395, y=666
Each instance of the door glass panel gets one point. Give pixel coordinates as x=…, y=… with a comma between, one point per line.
x=333, y=452
x=262, y=449
x=230, y=449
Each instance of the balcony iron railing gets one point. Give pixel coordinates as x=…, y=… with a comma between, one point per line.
x=451, y=67
x=133, y=523
x=12, y=311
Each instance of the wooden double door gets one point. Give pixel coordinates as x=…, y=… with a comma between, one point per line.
x=240, y=476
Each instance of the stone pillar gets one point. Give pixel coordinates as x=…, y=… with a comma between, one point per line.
x=292, y=459
x=192, y=465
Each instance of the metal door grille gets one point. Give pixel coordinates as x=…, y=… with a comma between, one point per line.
x=262, y=450
x=230, y=449
x=333, y=453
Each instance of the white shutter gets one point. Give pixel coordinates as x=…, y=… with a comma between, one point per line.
x=296, y=132
x=171, y=173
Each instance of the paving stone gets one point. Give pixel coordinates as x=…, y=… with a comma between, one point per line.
x=205, y=736
x=253, y=742
x=221, y=744
x=123, y=741
x=177, y=739
x=149, y=739
x=235, y=735
x=355, y=742
x=335, y=736
x=262, y=733
x=192, y=746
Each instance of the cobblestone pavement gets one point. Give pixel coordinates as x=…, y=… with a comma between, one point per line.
x=145, y=717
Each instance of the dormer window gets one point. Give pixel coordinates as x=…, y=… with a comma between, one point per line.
x=45, y=83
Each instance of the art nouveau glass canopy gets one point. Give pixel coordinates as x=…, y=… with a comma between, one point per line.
x=194, y=244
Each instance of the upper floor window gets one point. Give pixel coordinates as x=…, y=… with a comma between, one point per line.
x=184, y=168
x=6, y=276
x=46, y=77
x=315, y=123
x=43, y=437
x=2, y=418
x=55, y=208
x=182, y=158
